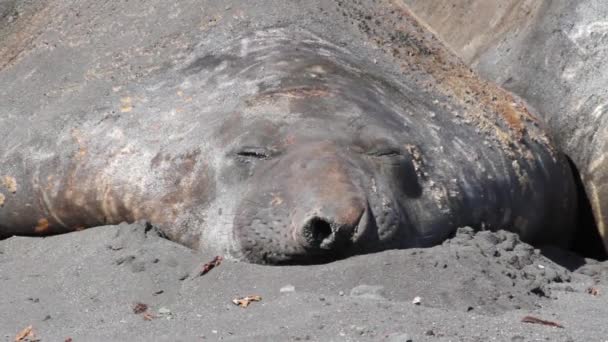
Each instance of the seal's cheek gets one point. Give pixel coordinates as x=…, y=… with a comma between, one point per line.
x=394, y=176
x=400, y=173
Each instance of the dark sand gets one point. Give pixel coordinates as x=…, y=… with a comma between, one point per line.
x=478, y=287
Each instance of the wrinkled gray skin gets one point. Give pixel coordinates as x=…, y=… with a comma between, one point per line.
x=551, y=53
x=271, y=145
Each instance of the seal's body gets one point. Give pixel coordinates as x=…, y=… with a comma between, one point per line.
x=286, y=146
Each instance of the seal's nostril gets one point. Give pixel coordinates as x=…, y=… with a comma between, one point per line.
x=320, y=230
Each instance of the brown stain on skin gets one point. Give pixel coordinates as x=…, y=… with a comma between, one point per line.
x=93, y=189
x=42, y=227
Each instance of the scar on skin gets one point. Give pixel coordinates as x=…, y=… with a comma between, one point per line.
x=2, y=198
x=10, y=183
x=42, y=226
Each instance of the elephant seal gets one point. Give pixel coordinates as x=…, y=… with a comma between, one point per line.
x=291, y=142
x=551, y=53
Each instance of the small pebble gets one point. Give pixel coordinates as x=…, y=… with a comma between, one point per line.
x=368, y=292
x=164, y=311
x=417, y=301
x=400, y=338
x=287, y=288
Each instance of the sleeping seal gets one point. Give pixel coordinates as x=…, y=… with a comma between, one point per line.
x=284, y=141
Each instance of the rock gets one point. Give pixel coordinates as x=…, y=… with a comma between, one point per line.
x=287, y=288
x=368, y=292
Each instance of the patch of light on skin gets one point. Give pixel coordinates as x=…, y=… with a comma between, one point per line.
x=586, y=33
x=600, y=217
x=597, y=163
x=217, y=229
x=599, y=110
x=571, y=71
x=116, y=134
x=244, y=47
x=434, y=133
x=463, y=149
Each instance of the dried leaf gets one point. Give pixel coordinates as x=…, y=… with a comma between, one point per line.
x=534, y=320
x=594, y=291
x=245, y=301
x=139, y=308
x=149, y=316
x=211, y=265
x=25, y=333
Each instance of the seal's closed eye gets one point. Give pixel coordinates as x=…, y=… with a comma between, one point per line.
x=385, y=151
x=254, y=153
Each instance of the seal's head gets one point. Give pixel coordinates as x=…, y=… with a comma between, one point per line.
x=317, y=167
x=322, y=192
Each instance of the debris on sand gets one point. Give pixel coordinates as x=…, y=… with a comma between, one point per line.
x=210, y=265
x=162, y=312
x=140, y=308
x=149, y=316
x=594, y=291
x=27, y=334
x=245, y=301
x=417, y=300
x=287, y=288
x=534, y=320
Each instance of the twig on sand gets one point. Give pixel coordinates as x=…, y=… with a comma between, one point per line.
x=211, y=265
x=534, y=320
x=27, y=334
x=245, y=301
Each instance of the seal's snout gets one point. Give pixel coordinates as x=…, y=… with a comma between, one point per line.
x=316, y=208
x=334, y=227
x=319, y=233
x=329, y=233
